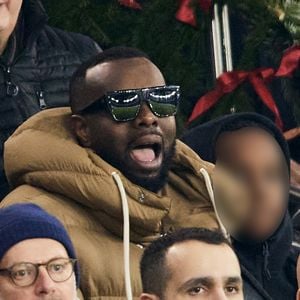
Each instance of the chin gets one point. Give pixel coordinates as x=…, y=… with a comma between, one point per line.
x=252, y=236
x=152, y=182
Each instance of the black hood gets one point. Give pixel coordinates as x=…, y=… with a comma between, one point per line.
x=267, y=260
x=34, y=16
x=202, y=138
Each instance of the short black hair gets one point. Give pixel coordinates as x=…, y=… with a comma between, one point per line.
x=153, y=267
x=78, y=85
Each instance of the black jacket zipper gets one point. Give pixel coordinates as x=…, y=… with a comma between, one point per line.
x=41, y=99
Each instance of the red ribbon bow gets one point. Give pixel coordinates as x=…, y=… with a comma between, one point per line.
x=229, y=81
x=186, y=13
x=130, y=3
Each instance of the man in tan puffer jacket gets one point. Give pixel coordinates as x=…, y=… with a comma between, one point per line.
x=112, y=171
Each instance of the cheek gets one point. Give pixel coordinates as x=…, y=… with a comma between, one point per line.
x=108, y=136
x=9, y=292
x=168, y=127
x=270, y=209
x=14, y=7
x=272, y=197
x=279, y=194
x=9, y=14
x=4, y=17
x=68, y=290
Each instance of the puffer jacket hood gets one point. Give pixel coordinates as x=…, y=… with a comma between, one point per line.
x=99, y=206
x=271, y=263
x=80, y=174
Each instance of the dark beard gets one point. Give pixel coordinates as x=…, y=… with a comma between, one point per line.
x=153, y=184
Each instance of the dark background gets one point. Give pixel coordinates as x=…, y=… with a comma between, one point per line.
x=184, y=53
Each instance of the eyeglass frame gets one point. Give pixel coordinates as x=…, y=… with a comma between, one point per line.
x=8, y=271
x=142, y=95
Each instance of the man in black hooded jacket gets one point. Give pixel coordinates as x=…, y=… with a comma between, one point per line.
x=255, y=152
x=36, y=63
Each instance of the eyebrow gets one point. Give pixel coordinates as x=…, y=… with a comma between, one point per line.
x=208, y=282
x=29, y=262
x=236, y=280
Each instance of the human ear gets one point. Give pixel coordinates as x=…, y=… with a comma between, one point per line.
x=145, y=296
x=81, y=129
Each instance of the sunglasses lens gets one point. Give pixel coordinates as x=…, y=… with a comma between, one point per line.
x=124, y=113
x=163, y=109
x=124, y=106
x=164, y=102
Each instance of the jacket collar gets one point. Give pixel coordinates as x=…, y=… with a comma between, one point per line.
x=34, y=15
x=272, y=253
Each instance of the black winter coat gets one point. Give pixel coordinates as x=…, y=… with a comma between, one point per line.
x=35, y=70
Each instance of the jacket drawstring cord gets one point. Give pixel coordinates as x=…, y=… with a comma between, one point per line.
x=212, y=199
x=126, y=235
x=266, y=254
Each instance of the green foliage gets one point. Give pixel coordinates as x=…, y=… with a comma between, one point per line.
x=288, y=12
x=182, y=52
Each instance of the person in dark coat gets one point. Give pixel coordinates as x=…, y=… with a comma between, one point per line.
x=36, y=63
x=252, y=148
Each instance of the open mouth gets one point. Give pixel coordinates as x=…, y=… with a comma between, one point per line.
x=147, y=152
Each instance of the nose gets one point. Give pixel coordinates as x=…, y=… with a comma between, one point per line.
x=44, y=285
x=219, y=295
x=145, y=118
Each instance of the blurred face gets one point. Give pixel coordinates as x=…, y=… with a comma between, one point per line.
x=255, y=158
x=201, y=271
x=9, y=12
x=44, y=288
x=142, y=148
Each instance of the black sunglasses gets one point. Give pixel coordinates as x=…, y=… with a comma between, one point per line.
x=124, y=105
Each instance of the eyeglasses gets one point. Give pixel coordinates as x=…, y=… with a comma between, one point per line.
x=25, y=274
x=124, y=105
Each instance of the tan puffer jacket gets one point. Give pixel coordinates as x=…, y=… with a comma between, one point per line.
x=47, y=167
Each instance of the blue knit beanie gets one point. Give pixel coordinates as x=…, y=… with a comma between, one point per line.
x=20, y=222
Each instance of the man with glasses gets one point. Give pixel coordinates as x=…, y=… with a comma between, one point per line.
x=112, y=170
x=37, y=258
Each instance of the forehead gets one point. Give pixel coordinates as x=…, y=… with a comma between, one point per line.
x=124, y=74
x=193, y=259
x=33, y=250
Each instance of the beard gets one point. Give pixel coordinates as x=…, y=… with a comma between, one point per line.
x=156, y=183
x=152, y=183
